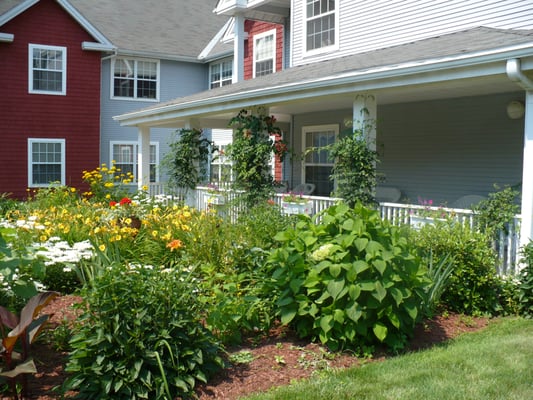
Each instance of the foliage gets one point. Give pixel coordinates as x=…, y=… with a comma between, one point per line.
x=354, y=170
x=251, y=151
x=295, y=198
x=439, y=273
x=24, y=329
x=350, y=279
x=7, y=203
x=525, y=286
x=140, y=337
x=495, y=213
x=188, y=158
x=61, y=278
x=107, y=183
x=474, y=285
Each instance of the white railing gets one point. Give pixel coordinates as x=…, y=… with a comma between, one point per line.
x=506, y=245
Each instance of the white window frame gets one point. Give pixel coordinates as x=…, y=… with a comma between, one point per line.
x=31, y=142
x=63, y=70
x=222, y=81
x=305, y=19
x=135, y=79
x=271, y=56
x=318, y=129
x=134, y=155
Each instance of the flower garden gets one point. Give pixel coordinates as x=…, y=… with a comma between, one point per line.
x=166, y=287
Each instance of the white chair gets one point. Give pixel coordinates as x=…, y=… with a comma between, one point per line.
x=388, y=194
x=304, y=188
x=467, y=202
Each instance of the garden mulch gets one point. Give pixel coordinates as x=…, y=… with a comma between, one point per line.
x=278, y=358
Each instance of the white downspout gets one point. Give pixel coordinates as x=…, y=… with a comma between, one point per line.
x=515, y=74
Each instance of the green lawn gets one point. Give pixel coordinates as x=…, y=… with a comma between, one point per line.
x=496, y=363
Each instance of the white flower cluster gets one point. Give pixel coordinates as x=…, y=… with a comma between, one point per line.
x=322, y=252
x=30, y=223
x=56, y=251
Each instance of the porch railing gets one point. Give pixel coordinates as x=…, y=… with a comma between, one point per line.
x=506, y=244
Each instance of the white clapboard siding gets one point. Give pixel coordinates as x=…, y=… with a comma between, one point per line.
x=370, y=25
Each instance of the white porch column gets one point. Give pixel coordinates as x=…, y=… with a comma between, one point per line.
x=143, y=157
x=526, y=230
x=364, y=117
x=238, y=48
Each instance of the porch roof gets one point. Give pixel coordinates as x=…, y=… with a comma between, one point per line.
x=470, y=62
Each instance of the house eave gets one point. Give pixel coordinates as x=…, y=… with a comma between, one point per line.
x=158, y=56
x=6, y=37
x=91, y=46
x=383, y=77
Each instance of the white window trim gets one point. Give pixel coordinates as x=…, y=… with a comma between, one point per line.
x=63, y=49
x=30, y=163
x=316, y=128
x=324, y=49
x=271, y=32
x=135, y=158
x=219, y=64
x=135, y=98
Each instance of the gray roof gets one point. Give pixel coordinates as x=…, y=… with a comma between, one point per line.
x=449, y=45
x=162, y=28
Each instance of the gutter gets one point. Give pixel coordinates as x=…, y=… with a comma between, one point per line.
x=515, y=74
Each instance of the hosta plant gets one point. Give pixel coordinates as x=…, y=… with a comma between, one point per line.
x=349, y=279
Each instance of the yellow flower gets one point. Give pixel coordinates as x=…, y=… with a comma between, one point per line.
x=155, y=233
x=102, y=247
x=175, y=244
x=43, y=238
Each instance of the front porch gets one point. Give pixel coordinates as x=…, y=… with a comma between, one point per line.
x=507, y=244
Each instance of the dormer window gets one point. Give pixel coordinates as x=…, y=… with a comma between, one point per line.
x=265, y=53
x=221, y=73
x=321, y=24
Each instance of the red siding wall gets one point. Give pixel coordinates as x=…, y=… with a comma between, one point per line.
x=254, y=28
x=74, y=117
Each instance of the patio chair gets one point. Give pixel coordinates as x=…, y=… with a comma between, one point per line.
x=304, y=188
x=388, y=194
x=467, y=202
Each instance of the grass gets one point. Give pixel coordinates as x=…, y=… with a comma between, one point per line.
x=495, y=363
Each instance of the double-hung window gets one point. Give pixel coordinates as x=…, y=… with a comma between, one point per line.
x=221, y=73
x=124, y=155
x=47, y=69
x=321, y=25
x=135, y=79
x=318, y=166
x=46, y=162
x=265, y=53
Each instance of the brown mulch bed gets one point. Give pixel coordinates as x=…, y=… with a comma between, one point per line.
x=278, y=358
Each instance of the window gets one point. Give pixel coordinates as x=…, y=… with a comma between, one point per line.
x=47, y=69
x=320, y=26
x=135, y=79
x=221, y=166
x=46, y=162
x=317, y=166
x=125, y=156
x=265, y=53
x=221, y=73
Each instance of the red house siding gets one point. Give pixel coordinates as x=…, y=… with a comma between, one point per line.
x=74, y=117
x=254, y=28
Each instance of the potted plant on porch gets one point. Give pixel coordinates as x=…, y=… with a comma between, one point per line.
x=293, y=203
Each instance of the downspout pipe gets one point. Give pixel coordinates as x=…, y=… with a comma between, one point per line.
x=515, y=74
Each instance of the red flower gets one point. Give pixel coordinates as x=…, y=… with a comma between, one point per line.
x=125, y=201
x=112, y=203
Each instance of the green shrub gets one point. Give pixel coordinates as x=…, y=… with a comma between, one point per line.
x=60, y=278
x=141, y=337
x=525, y=286
x=474, y=285
x=350, y=280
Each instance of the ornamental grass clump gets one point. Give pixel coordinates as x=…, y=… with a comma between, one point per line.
x=349, y=279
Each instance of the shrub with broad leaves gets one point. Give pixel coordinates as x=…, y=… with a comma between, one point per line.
x=350, y=279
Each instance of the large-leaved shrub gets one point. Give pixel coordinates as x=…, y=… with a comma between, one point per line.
x=140, y=337
x=350, y=279
x=525, y=285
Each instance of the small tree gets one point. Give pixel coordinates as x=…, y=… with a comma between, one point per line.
x=188, y=159
x=251, y=152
